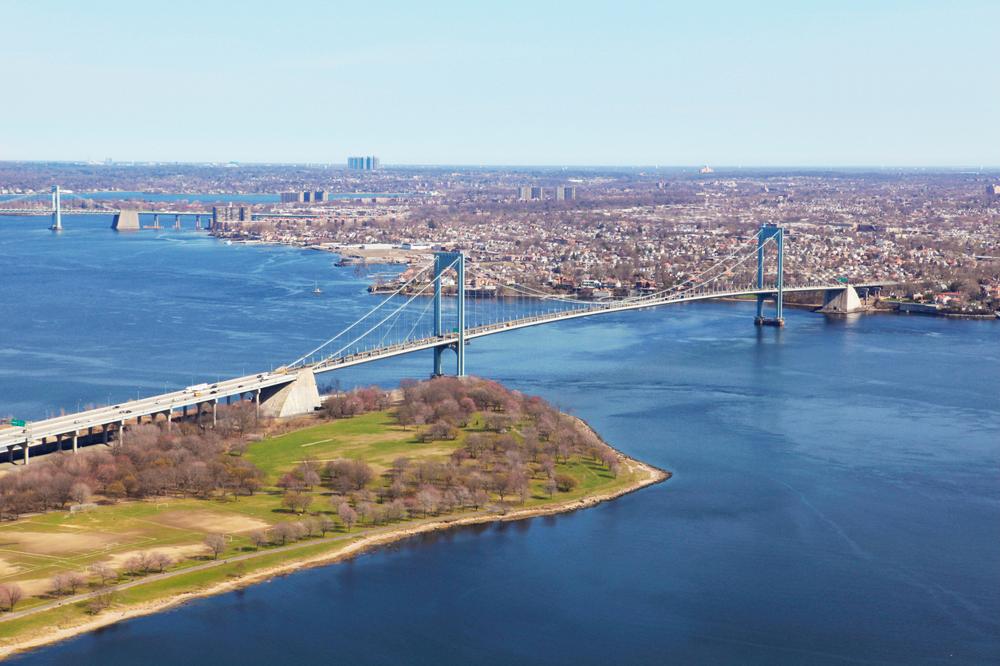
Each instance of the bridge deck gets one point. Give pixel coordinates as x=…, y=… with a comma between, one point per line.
x=174, y=400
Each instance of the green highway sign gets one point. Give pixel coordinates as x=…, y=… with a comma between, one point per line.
x=17, y=422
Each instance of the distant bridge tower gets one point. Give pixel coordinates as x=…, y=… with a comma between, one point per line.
x=56, y=210
x=442, y=262
x=766, y=233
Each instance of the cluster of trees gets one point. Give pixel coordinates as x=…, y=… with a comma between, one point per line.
x=151, y=462
x=510, y=440
x=355, y=402
x=290, y=531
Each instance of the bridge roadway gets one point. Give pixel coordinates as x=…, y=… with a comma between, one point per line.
x=39, y=212
x=536, y=320
x=167, y=403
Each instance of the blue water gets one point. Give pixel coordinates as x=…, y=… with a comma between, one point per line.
x=836, y=497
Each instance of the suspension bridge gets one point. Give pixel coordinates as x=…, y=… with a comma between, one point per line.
x=430, y=310
x=123, y=219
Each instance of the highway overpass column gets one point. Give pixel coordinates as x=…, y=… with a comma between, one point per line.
x=215, y=409
x=256, y=404
x=74, y=442
x=170, y=418
x=27, y=452
x=104, y=429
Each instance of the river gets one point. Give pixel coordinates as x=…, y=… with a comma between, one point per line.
x=835, y=499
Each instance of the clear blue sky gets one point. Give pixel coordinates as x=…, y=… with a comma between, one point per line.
x=480, y=82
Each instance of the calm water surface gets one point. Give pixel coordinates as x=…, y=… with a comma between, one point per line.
x=836, y=496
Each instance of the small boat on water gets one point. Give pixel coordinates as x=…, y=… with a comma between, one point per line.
x=317, y=291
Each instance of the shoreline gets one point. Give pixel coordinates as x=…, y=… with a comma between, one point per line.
x=648, y=475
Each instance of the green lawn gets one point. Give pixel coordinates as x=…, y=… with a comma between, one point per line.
x=34, y=548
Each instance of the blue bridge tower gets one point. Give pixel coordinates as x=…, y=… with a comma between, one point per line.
x=444, y=261
x=766, y=233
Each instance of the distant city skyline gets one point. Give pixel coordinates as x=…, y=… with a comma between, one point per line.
x=831, y=84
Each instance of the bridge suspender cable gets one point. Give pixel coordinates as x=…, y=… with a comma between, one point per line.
x=363, y=317
x=390, y=315
x=528, y=291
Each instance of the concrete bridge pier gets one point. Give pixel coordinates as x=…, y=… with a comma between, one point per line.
x=177, y=222
x=197, y=222
x=299, y=396
x=75, y=443
x=156, y=220
x=104, y=432
x=841, y=301
x=126, y=220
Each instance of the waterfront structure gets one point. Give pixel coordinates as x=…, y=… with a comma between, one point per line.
x=56, y=210
x=366, y=163
x=292, y=197
x=320, y=196
x=384, y=333
x=223, y=215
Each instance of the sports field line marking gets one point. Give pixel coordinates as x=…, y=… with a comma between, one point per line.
x=321, y=441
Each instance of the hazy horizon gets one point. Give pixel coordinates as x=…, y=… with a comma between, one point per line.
x=829, y=85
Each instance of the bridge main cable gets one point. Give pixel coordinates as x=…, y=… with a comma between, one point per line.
x=363, y=317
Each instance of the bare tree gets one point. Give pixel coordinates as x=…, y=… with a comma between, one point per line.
x=216, y=543
x=133, y=566
x=103, y=571
x=160, y=561
x=326, y=524
x=283, y=532
x=348, y=515
x=297, y=501
x=80, y=493
x=10, y=594
x=550, y=486
x=258, y=538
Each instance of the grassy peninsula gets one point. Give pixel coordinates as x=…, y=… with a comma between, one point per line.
x=121, y=531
